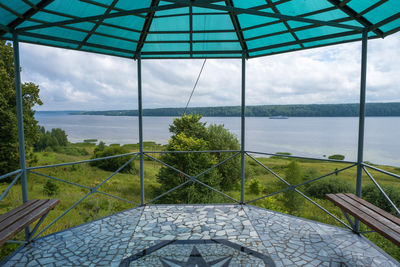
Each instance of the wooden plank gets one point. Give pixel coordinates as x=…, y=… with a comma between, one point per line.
x=366, y=219
x=17, y=209
x=21, y=214
x=382, y=212
x=371, y=213
x=10, y=231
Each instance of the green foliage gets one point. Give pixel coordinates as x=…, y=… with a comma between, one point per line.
x=100, y=147
x=192, y=164
x=220, y=138
x=372, y=194
x=9, y=155
x=319, y=110
x=90, y=140
x=114, y=163
x=291, y=200
x=330, y=185
x=51, y=140
x=50, y=188
x=189, y=134
x=337, y=157
x=255, y=187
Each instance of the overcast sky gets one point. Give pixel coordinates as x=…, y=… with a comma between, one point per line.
x=71, y=80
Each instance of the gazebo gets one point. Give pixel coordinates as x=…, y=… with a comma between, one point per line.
x=189, y=29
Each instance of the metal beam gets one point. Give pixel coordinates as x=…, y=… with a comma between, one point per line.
x=140, y=117
x=97, y=17
x=284, y=22
x=20, y=122
x=266, y=14
x=97, y=24
x=243, y=130
x=28, y=14
x=361, y=122
x=237, y=27
x=354, y=15
x=146, y=28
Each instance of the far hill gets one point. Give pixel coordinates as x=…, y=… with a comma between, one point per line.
x=314, y=110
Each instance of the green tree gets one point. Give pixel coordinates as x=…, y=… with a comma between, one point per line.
x=291, y=200
x=9, y=155
x=220, y=138
x=189, y=163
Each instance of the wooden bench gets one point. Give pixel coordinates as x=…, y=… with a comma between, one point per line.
x=19, y=218
x=377, y=219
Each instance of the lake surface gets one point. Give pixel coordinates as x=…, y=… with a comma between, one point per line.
x=309, y=136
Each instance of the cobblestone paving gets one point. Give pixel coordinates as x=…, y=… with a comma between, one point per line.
x=287, y=240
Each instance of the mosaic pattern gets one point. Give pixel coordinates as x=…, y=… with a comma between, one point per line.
x=287, y=240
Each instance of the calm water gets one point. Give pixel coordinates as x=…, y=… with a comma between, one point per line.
x=300, y=136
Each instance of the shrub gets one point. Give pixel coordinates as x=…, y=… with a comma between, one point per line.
x=372, y=194
x=331, y=185
x=255, y=187
x=50, y=188
x=114, y=163
x=336, y=157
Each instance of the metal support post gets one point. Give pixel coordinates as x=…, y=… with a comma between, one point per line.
x=20, y=122
x=361, y=125
x=140, y=115
x=243, y=129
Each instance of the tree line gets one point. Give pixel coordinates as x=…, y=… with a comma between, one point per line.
x=312, y=110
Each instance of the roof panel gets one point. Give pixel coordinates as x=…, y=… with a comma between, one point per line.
x=266, y=28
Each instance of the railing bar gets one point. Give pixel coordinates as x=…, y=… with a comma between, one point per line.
x=10, y=174
x=380, y=189
x=115, y=172
x=382, y=171
x=62, y=215
x=216, y=166
x=323, y=176
x=322, y=208
x=212, y=188
x=169, y=191
x=268, y=169
x=269, y=195
x=9, y=186
x=203, y=151
x=120, y=198
x=169, y=166
x=60, y=180
x=299, y=157
x=82, y=161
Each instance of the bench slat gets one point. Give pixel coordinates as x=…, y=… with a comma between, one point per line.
x=21, y=214
x=17, y=209
x=380, y=211
x=366, y=210
x=11, y=230
x=366, y=219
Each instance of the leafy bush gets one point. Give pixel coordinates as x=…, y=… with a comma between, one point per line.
x=331, y=185
x=372, y=194
x=336, y=157
x=50, y=188
x=114, y=163
x=255, y=187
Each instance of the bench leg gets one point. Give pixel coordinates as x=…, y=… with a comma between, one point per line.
x=37, y=226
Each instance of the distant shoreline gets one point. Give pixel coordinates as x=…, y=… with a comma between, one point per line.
x=306, y=110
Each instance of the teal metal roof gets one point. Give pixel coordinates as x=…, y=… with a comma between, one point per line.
x=196, y=28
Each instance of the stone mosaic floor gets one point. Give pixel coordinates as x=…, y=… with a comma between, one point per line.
x=201, y=235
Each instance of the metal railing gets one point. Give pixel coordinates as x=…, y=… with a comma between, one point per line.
x=195, y=179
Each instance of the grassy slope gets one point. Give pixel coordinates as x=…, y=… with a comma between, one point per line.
x=128, y=186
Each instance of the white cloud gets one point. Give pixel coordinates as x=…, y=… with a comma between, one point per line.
x=71, y=80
